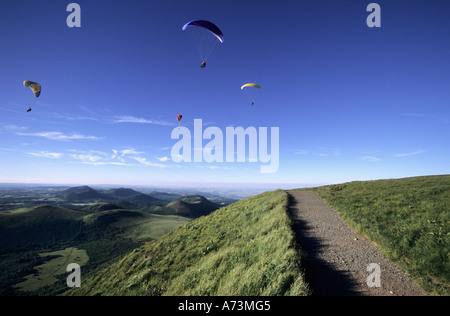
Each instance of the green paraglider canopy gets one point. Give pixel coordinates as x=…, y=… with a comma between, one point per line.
x=34, y=86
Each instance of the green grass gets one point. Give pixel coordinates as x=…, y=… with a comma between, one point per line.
x=150, y=228
x=29, y=235
x=47, y=273
x=247, y=248
x=408, y=218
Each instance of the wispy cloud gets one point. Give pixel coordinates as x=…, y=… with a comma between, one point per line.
x=133, y=119
x=164, y=159
x=301, y=152
x=417, y=152
x=321, y=152
x=371, y=158
x=46, y=154
x=22, y=131
x=124, y=157
x=13, y=128
x=73, y=117
x=143, y=161
x=59, y=136
x=86, y=157
x=124, y=152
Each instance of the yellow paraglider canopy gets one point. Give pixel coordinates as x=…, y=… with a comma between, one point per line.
x=35, y=87
x=251, y=85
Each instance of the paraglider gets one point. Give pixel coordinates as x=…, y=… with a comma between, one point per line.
x=211, y=27
x=253, y=85
x=179, y=117
x=34, y=86
x=207, y=35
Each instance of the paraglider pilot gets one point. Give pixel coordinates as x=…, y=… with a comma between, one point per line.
x=203, y=64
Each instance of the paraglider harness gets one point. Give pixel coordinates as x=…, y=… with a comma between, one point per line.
x=203, y=64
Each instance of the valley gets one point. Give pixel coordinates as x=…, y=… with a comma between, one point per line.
x=38, y=224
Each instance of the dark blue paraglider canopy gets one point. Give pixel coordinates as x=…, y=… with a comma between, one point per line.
x=207, y=25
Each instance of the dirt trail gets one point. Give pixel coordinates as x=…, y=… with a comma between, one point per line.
x=338, y=258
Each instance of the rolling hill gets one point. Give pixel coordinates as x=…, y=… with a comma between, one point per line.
x=121, y=192
x=192, y=206
x=86, y=194
x=104, y=231
x=247, y=248
x=82, y=194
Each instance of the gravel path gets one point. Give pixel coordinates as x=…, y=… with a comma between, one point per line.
x=337, y=258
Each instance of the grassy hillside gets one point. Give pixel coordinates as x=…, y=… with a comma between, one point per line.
x=408, y=218
x=247, y=248
x=27, y=235
x=191, y=206
x=32, y=227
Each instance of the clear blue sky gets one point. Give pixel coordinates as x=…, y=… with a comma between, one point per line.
x=351, y=102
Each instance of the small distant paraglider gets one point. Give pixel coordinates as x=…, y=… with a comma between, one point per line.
x=35, y=88
x=207, y=35
x=179, y=117
x=254, y=85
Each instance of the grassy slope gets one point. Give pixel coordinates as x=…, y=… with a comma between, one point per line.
x=247, y=248
x=105, y=236
x=408, y=218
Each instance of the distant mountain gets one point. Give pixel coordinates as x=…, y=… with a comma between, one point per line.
x=121, y=192
x=192, y=206
x=142, y=200
x=82, y=194
x=138, y=199
x=165, y=196
x=118, y=196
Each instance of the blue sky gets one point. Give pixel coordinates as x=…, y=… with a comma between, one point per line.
x=351, y=102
